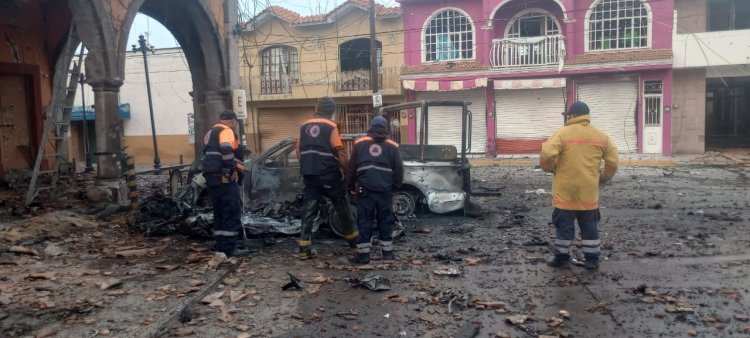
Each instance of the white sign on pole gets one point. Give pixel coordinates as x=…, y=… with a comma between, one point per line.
x=377, y=99
x=239, y=103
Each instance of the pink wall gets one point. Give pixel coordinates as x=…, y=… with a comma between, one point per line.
x=416, y=13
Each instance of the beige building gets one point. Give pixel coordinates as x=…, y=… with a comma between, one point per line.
x=711, y=75
x=171, y=87
x=288, y=61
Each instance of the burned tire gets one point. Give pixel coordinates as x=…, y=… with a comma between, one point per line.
x=404, y=203
x=334, y=222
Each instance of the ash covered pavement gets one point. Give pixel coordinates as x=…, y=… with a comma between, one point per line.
x=675, y=242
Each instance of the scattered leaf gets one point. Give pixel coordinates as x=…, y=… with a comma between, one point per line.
x=236, y=296
x=213, y=296
x=182, y=331
x=50, y=275
x=517, y=319
x=197, y=282
x=110, y=283
x=168, y=267
x=473, y=261
x=132, y=253
x=22, y=250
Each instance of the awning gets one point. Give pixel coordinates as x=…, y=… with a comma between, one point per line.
x=123, y=113
x=444, y=85
x=530, y=83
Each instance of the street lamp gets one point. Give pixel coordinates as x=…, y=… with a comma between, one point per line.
x=143, y=48
x=89, y=165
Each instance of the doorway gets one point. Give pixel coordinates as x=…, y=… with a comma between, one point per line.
x=727, y=113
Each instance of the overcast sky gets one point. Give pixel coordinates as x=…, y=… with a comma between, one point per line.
x=160, y=37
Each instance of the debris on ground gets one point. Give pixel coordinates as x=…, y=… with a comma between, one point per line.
x=294, y=282
x=447, y=271
x=372, y=282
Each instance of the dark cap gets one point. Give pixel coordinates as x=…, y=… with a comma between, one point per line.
x=326, y=106
x=228, y=115
x=577, y=108
x=379, y=121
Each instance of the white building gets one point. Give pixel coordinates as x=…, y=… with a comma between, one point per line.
x=171, y=85
x=711, y=105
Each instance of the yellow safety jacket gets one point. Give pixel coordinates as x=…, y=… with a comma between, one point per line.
x=574, y=154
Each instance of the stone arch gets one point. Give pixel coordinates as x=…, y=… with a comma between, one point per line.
x=200, y=36
x=207, y=43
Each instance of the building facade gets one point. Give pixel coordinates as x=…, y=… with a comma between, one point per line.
x=288, y=61
x=521, y=62
x=711, y=75
x=41, y=35
x=171, y=85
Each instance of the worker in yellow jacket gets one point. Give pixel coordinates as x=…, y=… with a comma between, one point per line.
x=574, y=154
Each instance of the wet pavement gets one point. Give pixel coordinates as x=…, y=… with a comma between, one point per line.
x=675, y=243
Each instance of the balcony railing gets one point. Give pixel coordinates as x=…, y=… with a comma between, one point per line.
x=275, y=85
x=530, y=51
x=356, y=80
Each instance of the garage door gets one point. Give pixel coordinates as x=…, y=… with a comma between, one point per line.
x=613, y=108
x=527, y=117
x=445, y=122
x=276, y=124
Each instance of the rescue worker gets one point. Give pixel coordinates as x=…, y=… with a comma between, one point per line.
x=223, y=169
x=323, y=164
x=375, y=171
x=574, y=154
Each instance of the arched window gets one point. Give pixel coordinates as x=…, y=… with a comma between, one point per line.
x=449, y=35
x=618, y=24
x=280, y=63
x=533, y=23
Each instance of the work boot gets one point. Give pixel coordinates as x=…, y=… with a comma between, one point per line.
x=306, y=253
x=388, y=255
x=237, y=252
x=591, y=264
x=560, y=262
x=360, y=259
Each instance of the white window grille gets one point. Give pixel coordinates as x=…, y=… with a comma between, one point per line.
x=533, y=24
x=618, y=24
x=652, y=95
x=449, y=35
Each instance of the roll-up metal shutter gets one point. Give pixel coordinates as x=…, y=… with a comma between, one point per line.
x=613, y=110
x=445, y=122
x=276, y=124
x=527, y=117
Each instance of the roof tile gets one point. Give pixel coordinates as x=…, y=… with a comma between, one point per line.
x=297, y=19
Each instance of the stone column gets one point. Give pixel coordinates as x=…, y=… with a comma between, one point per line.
x=108, y=129
x=208, y=106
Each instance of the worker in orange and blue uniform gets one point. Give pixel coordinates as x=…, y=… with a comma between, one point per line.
x=375, y=171
x=323, y=164
x=223, y=169
x=574, y=154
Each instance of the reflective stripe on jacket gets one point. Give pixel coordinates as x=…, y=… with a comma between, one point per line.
x=318, y=157
x=376, y=166
x=574, y=154
x=221, y=150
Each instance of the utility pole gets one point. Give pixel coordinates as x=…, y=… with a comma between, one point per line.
x=377, y=100
x=143, y=48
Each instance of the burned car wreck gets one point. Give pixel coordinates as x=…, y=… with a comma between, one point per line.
x=436, y=179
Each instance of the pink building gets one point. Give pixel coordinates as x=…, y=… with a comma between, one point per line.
x=521, y=62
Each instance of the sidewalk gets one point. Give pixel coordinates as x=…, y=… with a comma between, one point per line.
x=626, y=160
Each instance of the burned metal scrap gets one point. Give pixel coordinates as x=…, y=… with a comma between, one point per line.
x=162, y=215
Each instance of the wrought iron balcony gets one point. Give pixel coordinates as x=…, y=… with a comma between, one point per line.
x=529, y=51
